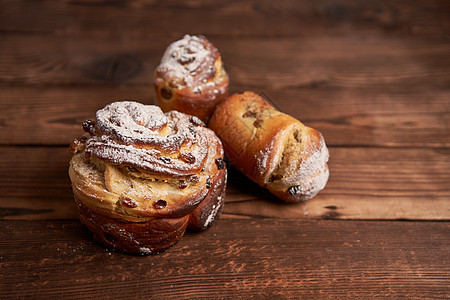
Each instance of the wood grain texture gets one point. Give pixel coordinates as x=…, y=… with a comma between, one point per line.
x=263, y=259
x=372, y=76
x=53, y=116
x=392, y=117
x=427, y=18
x=350, y=61
x=365, y=183
x=389, y=117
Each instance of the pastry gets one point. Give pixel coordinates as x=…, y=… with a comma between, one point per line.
x=271, y=148
x=141, y=176
x=191, y=78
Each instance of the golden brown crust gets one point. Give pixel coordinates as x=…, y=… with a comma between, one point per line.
x=141, y=168
x=142, y=238
x=206, y=213
x=272, y=148
x=191, y=78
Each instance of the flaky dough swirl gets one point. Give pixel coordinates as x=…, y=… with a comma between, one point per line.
x=142, y=176
x=129, y=133
x=191, y=77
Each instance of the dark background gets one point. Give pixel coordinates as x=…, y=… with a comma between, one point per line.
x=372, y=76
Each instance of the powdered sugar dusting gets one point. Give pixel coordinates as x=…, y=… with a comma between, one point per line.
x=313, y=172
x=135, y=139
x=186, y=59
x=123, y=233
x=262, y=158
x=145, y=251
x=130, y=121
x=133, y=134
x=213, y=213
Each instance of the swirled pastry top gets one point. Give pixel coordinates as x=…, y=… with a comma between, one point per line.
x=192, y=62
x=130, y=133
x=137, y=155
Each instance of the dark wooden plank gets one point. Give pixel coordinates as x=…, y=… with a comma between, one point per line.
x=365, y=183
x=263, y=259
x=35, y=183
x=53, y=115
x=356, y=61
x=394, y=116
x=427, y=18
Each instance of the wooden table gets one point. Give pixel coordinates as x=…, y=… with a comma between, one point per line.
x=372, y=76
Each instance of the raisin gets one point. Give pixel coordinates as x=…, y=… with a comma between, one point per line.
x=159, y=204
x=192, y=130
x=258, y=123
x=116, y=120
x=295, y=190
x=165, y=160
x=89, y=126
x=249, y=114
x=220, y=163
x=187, y=157
x=166, y=93
x=192, y=178
x=212, y=72
x=208, y=183
x=298, y=136
x=128, y=202
x=275, y=177
x=183, y=184
x=184, y=60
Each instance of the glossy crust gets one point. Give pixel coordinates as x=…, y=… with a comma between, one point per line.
x=142, y=177
x=272, y=148
x=191, y=78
